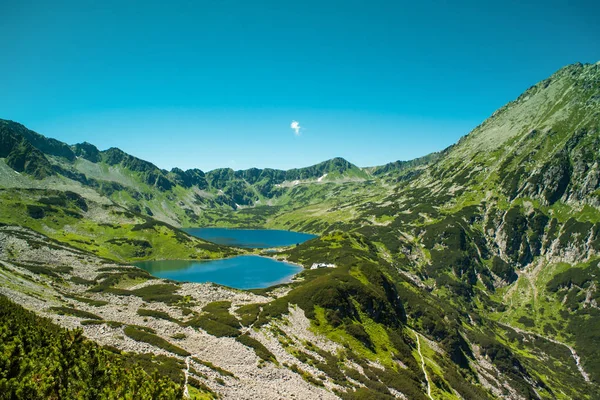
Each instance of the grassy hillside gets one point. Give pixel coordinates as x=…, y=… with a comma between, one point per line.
x=103, y=229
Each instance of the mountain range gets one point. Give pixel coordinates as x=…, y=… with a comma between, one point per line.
x=469, y=273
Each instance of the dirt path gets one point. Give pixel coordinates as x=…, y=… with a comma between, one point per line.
x=423, y=366
x=186, y=372
x=576, y=357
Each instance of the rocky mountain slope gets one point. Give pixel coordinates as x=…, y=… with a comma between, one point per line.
x=469, y=273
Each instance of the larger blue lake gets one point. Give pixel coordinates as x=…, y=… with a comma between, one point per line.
x=242, y=272
x=250, y=238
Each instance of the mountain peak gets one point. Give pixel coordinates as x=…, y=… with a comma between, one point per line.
x=88, y=151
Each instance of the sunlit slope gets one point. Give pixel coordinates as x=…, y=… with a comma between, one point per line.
x=103, y=229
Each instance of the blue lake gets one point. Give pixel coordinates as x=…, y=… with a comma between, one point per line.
x=241, y=272
x=250, y=238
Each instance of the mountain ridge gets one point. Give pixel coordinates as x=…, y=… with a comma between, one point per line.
x=114, y=155
x=130, y=180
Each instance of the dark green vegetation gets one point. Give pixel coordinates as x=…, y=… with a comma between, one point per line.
x=75, y=312
x=128, y=236
x=486, y=252
x=155, y=314
x=39, y=360
x=148, y=337
x=91, y=302
x=261, y=351
x=210, y=365
x=161, y=292
x=217, y=320
x=164, y=293
x=576, y=288
x=367, y=305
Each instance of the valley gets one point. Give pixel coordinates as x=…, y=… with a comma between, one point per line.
x=471, y=273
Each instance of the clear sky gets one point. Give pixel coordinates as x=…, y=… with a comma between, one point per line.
x=217, y=83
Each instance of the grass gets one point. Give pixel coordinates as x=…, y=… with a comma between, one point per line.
x=127, y=283
x=200, y=391
x=375, y=346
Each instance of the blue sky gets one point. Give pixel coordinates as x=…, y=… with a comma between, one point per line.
x=212, y=84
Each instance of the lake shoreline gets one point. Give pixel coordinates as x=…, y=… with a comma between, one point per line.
x=250, y=238
x=245, y=228
x=259, y=263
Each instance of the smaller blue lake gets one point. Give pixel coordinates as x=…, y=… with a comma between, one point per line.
x=241, y=272
x=250, y=238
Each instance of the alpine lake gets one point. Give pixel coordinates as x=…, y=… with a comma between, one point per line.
x=240, y=272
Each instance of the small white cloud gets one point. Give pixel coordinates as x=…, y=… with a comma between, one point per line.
x=295, y=125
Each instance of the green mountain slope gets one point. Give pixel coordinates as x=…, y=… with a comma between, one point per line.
x=493, y=224
x=100, y=227
x=41, y=360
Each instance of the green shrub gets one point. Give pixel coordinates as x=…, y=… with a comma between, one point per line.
x=150, y=338
x=74, y=312
x=306, y=376
x=202, y=387
x=217, y=320
x=212, y=366
x=108, y=280
x=572, y=276
x=163, y=293
x=528, y=322
x=39, y=269
x=170, y=367
x=91, y=302
x=248, y=313
x=44, y=361
x=155, y=314
x=503, y=270
x=81, y=281
x=213, y=327
x=143, y=328
x=112, y=324
x=35, y=212
x=179, y=336
x=261, y=351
